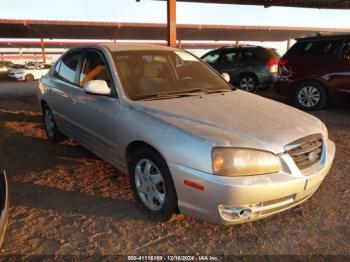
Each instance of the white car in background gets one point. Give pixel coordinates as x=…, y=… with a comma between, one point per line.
x=28, y=73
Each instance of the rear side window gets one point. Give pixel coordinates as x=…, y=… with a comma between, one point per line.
x=68, y=67
x=56, y=69
x=317, y=47
x=248, y=55
x=230, y=56
x=271, y=53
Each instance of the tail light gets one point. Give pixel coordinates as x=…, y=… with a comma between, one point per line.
x=273, y=65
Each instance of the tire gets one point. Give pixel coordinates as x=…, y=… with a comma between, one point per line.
x=154, y=190
x=29, y=77
x=248, y=82
x=309, y=96
x=52, y=132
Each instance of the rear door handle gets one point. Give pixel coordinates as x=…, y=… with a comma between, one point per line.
x=75, y=102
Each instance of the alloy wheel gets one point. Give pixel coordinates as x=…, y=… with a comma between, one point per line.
x=247, y=84
x=309, y=96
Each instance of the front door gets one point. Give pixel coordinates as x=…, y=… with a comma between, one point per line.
x=94, y=116
x=229, y=63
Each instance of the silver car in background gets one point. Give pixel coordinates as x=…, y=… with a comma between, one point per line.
x=189, y=142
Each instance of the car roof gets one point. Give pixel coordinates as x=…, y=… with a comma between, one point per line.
x=129, y=47
x=324, y=37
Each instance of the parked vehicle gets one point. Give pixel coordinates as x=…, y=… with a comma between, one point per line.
x=188, y=142
x=316, y=72
x=28, y=72
x=4, y=205
x=249, y=67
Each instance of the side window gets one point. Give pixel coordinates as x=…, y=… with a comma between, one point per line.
x=230, y=56
x=68, y=67
x=317, y=47
x=94, y=68
x=345, y=54
x=248, y=56
x=212, y=58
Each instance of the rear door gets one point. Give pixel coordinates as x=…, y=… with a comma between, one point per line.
x=61, y=83
x=340, y=74
x=94, y=116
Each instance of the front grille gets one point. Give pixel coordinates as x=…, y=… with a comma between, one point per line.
x=306, y=151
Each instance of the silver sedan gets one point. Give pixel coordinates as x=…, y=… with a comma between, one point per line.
x=190, y=142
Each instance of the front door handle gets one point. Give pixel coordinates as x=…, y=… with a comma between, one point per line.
x=75, y=102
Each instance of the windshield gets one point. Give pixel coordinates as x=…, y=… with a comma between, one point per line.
x=150, y=73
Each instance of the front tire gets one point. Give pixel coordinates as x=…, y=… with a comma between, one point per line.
x=152, y=184
x=52, y=132
x=310, y=95
x=29, y=77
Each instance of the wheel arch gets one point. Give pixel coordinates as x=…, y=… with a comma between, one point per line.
x=248, y=73
x=43, y=104
x=134, y=145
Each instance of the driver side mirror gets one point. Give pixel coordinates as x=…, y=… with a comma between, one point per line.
x=226, y=76
x=97, y=87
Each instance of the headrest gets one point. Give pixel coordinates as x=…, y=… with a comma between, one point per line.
x=150, y=70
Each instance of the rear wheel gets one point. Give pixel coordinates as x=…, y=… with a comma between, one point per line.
x=152, y=184
x=53, y=134
x=248, y=82
x=310, y=95
x=29, y=77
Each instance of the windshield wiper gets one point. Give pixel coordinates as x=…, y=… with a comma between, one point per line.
x=164, y=96
x=215, y=91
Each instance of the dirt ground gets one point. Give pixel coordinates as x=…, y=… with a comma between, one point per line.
x=66, y=201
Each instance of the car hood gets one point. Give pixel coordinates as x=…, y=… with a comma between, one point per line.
x=237, y=119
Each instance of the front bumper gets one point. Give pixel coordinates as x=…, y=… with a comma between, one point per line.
x=17, y=77
x=262, y=195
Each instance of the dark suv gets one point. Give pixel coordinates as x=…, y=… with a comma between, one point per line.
x=316, y=72
x=250, y=67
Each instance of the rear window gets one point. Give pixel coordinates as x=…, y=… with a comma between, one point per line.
x=317, y=47
x=271, y=53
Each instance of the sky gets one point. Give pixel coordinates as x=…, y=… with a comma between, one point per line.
x=155, y=12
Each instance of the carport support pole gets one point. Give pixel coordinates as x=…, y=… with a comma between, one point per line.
x=43, y=49
x=171, y=7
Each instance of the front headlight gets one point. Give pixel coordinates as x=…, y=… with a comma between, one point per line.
x=243, y=162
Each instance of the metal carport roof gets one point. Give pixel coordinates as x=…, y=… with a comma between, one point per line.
x=329, y=4
x=151, y=31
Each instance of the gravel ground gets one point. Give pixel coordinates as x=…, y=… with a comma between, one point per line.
x=66, y=201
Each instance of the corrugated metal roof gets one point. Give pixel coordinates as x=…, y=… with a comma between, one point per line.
x=329, y=4
x=148, y=31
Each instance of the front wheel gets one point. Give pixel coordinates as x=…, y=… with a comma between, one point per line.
x=29, y=77
x=152, y=184
x=310, y=95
